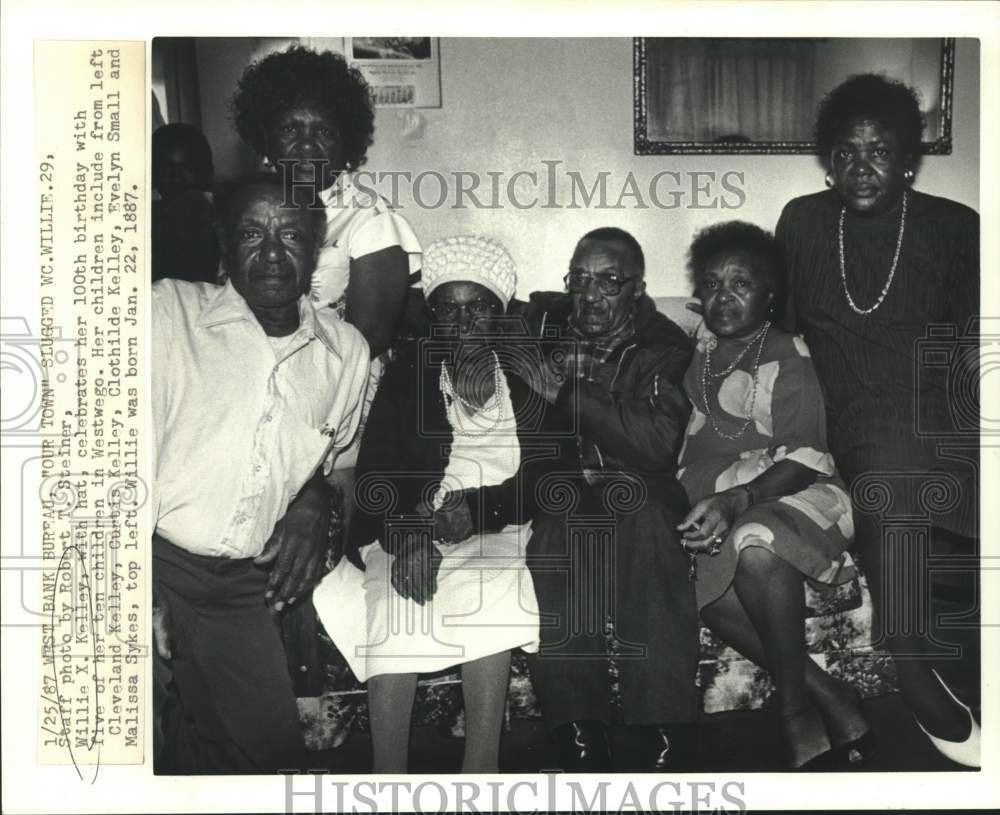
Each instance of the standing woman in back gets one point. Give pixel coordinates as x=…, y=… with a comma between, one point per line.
x=874, y=267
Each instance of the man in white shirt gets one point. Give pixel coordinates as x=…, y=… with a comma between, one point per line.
x=254, y=390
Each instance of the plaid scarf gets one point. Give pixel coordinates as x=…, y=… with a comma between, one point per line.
x=588, y=361
x=589, y=353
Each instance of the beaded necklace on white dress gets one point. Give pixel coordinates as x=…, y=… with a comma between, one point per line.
x=495, y=406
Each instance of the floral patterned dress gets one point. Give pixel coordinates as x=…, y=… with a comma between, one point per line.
x=811, y=529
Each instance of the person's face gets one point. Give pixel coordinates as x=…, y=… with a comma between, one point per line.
x=307, y=134
x=867, y=167
x=595, y=312
x=175, y=171
x=272, y=249
x=735, y=299
x=467, y=306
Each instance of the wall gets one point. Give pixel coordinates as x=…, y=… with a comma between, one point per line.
x=510, y=104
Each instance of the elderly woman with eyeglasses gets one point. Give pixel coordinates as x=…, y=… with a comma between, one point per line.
x=435, y=573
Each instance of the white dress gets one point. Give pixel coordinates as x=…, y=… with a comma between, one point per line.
x=358, y=223
x=485, y=601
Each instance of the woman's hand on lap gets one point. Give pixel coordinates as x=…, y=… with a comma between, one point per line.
x=414, y=571
x=712, y=519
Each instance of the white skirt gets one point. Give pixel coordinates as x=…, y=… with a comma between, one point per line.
x=485, y=604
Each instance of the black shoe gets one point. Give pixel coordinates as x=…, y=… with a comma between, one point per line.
x=858, y=754
x=584, y=747
x=667, y=748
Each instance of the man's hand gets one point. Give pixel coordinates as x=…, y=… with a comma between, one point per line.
x=162, y=623
x=414, y=570
x=452, y=523
x=298, y=545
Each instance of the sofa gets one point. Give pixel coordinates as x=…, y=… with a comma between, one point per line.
x=332, y=703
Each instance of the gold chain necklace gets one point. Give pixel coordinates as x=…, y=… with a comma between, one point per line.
x=892, y=270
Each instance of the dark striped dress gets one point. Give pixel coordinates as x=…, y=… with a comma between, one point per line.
x=901, y=383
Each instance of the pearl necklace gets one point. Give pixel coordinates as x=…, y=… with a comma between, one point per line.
x=741, y=354
x=707, y=376
x=892, y=271
x=451, y=396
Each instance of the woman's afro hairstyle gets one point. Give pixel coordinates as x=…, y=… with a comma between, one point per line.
x=282, y=81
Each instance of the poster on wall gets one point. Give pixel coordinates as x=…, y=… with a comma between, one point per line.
x=403, y=72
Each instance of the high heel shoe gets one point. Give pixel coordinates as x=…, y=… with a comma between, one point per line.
x=965, y=752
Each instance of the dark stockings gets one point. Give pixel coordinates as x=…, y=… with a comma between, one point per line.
x=761, y=616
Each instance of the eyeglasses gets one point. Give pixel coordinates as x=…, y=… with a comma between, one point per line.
x=449, y=311
x=578, y=282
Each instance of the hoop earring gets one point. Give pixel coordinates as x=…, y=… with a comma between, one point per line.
x=829, y=180
x=266, y=161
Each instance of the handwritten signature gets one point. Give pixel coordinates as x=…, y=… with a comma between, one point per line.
x=74, y=650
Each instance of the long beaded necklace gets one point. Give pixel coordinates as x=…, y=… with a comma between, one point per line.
x=892, y=271
x=741, y=354
x=707, y=376
x=451, y=396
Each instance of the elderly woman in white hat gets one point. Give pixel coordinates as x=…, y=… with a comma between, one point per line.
x=447, y=483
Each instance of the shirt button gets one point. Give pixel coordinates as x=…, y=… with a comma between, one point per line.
x=256, y=468
x=268, y=417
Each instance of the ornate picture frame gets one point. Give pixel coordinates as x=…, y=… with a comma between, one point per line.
x=647, y=141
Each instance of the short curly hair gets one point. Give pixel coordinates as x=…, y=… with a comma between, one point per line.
x=739, y=237
x=283, y=80
x=870, y=96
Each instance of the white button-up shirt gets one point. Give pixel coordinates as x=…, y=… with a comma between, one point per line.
x=242, y=422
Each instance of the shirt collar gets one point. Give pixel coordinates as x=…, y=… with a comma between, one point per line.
x=338, y=191
x=227, y=306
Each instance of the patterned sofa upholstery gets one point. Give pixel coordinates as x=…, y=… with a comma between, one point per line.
x=837, y=633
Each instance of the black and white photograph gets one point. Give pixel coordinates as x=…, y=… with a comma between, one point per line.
x=463, y=408
x=560, y=449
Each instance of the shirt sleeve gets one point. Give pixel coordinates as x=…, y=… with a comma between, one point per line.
x=799, y=413
x=348, y=407
x=963, y=280
x=162, y=308
x=644, y=427
x=383, y=230
x=782, y=234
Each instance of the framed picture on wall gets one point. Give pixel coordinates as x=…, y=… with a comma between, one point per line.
x=759, y=95
x=403, y=72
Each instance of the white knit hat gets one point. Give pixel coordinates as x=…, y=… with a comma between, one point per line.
x=469, y=259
